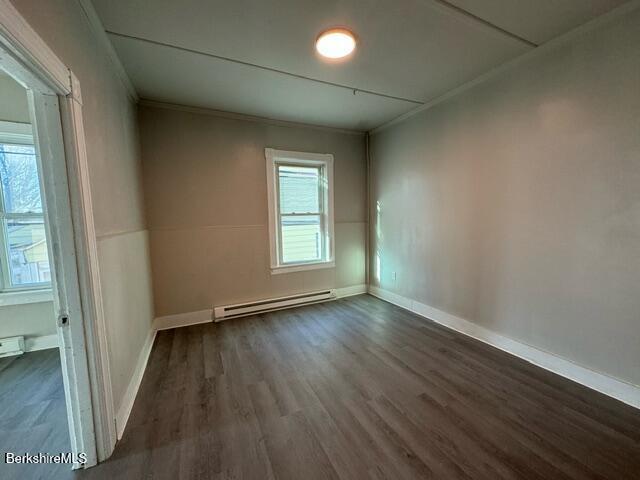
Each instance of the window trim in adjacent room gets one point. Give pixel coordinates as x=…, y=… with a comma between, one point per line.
x=18, y=134
x=275, y=158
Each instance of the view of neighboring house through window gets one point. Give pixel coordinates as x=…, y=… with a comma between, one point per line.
x=301, y=221
x=25, y=260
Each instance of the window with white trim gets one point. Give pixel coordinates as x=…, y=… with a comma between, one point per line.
x=24, y=258
x=300, y=192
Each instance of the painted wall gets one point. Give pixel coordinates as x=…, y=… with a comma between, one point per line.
x=206, y=197
x=36, y=319
x=29, y=320
x=516, y=204
x=115, y=175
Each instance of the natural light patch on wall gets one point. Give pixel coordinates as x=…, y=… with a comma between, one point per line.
x=376, y=273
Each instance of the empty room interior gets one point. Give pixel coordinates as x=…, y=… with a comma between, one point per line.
x=296, y=239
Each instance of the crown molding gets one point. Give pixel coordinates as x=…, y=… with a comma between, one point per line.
x=98, y=29
x=242, y=116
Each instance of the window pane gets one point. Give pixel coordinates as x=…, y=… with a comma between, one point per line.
x=301, y=239
x=19, y=176
x=28, y=256
x=299, y=192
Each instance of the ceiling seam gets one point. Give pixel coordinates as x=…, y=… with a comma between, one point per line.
x=461, y=11
x=355, y=90
x=566, y=37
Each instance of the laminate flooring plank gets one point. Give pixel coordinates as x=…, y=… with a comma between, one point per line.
x=354, y=389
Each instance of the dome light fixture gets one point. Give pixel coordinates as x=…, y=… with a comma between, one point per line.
x=336, y=43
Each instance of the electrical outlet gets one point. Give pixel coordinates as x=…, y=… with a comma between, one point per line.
x=394, y=276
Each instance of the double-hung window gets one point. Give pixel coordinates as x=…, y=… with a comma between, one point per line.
x=300, y=192
x=24, y=259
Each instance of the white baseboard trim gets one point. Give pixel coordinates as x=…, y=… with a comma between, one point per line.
x=122, y=415
x=32, y=344
x=351, y=291
x=183, y=319
x=613, y=387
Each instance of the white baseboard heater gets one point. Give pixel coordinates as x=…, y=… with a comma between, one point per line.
x=260, y=306
x=11, y=346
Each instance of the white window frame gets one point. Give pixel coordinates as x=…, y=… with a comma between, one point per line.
x=283, y=157
x=17, y=134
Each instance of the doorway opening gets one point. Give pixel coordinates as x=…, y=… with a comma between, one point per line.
x=33, y=414
x=49, y=272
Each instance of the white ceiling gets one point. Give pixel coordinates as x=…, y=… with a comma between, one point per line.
x=257, y=56
x=538, y=20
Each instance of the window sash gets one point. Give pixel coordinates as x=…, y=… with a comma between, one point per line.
x=320, y=170
x=6, y=282
x=321, y=214
x=305, y=214
x=320, y=248
x=5, y=253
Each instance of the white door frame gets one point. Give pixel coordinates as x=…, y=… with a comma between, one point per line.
x=56, y=101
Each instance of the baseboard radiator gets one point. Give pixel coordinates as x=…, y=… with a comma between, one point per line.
x=260, y=306
x=11, y=346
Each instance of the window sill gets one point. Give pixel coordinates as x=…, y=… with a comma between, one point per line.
x=301, y=267
x=28, y=296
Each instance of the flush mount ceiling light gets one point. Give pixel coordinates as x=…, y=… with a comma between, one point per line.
x=336, y=43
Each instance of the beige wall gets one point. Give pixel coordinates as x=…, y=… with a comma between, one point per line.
x=13, y=100
x=114, y=168
x=29, y=320
x=206, y=196
x=516, y=205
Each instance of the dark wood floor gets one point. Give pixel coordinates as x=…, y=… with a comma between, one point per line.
x=33, y=416
x=358, y=389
